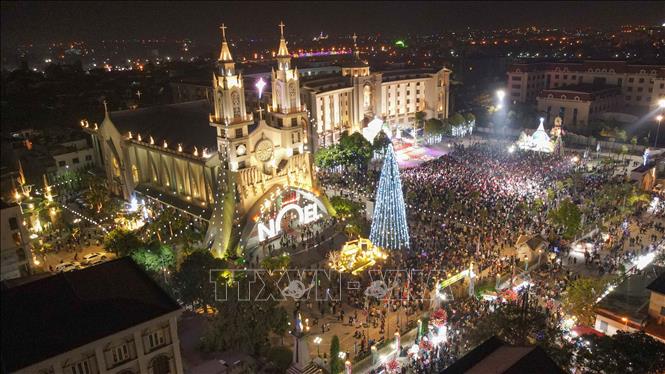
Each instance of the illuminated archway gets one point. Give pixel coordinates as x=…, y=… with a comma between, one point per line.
x=264, y=219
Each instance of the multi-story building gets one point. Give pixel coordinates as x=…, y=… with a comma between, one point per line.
x=72, y=156
x=641, y=85
x=14, y=245
x=350, y=101
x=110, y=318
x=576, y=104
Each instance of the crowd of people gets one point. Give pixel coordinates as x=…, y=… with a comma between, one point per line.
x=471, y=205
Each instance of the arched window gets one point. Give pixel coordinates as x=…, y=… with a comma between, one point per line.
x=135, y=174
x=116, y=167
x=235, y=102
x=367, y=96
x=292, y=95
x=160, y=365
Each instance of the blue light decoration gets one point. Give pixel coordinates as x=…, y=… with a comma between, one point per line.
x=389, y=228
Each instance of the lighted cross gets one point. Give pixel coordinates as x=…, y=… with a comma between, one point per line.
x=281, y=28
x=260, y=110
x=139, y=93
x=223, y=28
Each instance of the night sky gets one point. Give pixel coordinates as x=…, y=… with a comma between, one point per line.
x=40, y=22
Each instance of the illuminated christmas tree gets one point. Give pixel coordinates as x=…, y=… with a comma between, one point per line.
x=389, y=228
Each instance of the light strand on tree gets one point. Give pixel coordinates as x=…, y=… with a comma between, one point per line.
x=389, y=227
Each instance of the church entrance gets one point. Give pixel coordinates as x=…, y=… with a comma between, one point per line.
x=281, y=218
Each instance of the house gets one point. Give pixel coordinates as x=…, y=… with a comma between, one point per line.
x=110, y=318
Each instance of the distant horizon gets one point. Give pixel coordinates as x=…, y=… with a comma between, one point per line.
x=90, y=22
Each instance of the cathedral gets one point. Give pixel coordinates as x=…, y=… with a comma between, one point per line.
x=246, y=177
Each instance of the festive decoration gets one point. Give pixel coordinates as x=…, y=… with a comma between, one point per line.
x=539, y=141
x=439, y=317
x=389, y=227
x=393, y=366
x=355, y=256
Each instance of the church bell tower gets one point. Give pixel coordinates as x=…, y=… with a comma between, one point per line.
x=286, y=109
x=230, y=115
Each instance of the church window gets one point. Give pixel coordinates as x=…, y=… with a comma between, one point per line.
x=292, y=94
x=116, y=167
x=235, y=100
x=367, y=95
x=135, y=174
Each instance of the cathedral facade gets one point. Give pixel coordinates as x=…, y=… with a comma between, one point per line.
x=248, y=177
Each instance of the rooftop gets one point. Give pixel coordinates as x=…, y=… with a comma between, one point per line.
x=50, y=316
x=658, y=285
x=631, y=297
x=495, y=356
x=186, y=123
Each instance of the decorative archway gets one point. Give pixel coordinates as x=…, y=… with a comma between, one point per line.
x=264, y=219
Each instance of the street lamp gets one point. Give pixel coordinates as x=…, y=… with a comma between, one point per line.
x=659, y=118
x=500, y=94
x=318, y=341
x=526, y=262
x=540, y=252
x=625, y=321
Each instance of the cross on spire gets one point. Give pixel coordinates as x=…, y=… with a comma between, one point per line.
x=354, y=38
x=281, y=28
x=223, y=28
x=260, y=110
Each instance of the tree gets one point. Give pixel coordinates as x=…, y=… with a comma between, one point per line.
x=281, y=357
x=517, y=325
x=155, y=258
x=97, y=196
x=418, y=124
x=276, y=262
x=381, y=141
x=355, y=150
x=193, y=283
x=568, y=217
x=456, y=120
x=389, y=228
x=470, y=118
x=580, y=298
x=434, y=127
x=335, y=362
x=326, y=158
x=122, y=242
x=345, y=207
x=621, y=353
x=243, y=323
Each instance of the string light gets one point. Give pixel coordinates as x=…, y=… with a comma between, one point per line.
x=389, y=227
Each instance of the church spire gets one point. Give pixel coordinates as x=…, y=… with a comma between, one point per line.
x=283, y=56
x=282, y=51
x=356, y=52
x=225, y=59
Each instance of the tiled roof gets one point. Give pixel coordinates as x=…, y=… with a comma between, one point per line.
x=50, y=316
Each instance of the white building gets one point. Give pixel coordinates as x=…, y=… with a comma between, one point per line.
x=350, y=101
x=110, y=318
x=15, y=259
x=641, y=85
x=72, y=156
